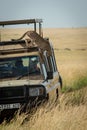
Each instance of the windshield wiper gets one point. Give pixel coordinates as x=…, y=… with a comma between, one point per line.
x=25, y=74
x=20, y=76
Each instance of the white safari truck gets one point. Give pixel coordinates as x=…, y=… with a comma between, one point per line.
x=28, y=69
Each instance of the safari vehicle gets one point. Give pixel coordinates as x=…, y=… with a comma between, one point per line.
x=28, y=69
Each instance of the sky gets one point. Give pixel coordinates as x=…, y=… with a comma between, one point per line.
x=55, y=13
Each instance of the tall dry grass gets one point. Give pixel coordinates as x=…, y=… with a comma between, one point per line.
x=64, y=115
x=72, y=65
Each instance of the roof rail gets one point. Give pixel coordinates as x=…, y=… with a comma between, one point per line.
x=25, y=21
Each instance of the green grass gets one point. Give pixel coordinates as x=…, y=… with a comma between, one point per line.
x=77, y=84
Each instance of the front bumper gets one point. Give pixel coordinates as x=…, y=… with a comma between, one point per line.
x=21, y=103
x=18, y=96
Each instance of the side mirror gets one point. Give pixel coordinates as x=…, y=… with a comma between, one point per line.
x=49, y=75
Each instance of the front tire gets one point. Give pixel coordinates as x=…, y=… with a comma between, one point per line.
x=60, y=80
x=59, y=89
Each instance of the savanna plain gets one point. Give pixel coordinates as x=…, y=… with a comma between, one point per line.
x=70, y=111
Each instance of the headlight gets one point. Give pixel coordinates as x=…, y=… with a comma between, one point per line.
x=36, y=91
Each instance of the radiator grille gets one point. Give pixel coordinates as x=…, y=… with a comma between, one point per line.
x=11, y=92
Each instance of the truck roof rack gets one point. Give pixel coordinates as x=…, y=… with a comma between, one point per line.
x=25, y=21
x=34, y=41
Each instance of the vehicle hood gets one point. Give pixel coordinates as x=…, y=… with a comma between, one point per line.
x=19, y=83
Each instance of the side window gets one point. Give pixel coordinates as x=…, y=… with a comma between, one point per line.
x=54, y=60
x=44, y=71
x=50, y=64
x=46, y=62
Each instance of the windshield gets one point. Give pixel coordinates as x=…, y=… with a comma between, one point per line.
x=19, y=67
